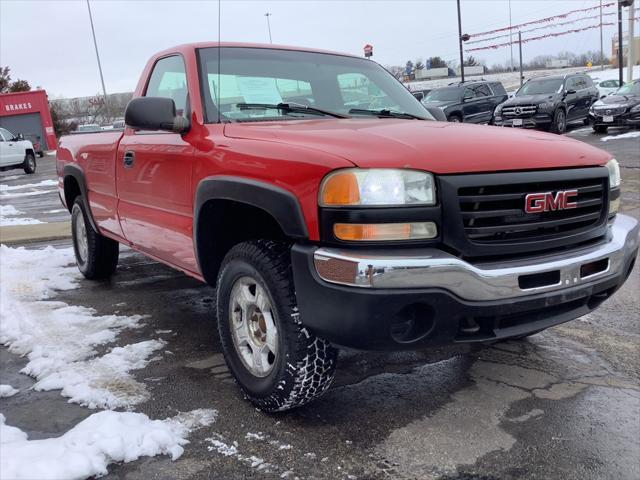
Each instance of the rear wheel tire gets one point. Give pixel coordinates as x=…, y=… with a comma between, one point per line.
x=559, y=124
x=276, y=361
x=455, y=119
x=600, y=128
x=96, y=255
x=29, y=164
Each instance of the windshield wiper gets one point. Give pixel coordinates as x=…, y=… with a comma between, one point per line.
x=385, y=113
x=289, y=107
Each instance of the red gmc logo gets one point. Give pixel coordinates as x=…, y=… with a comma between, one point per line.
x=545, y=202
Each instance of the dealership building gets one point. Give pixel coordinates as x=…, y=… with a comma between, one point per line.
x=28, y=113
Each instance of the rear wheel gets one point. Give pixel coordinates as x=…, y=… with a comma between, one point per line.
x=559, y=123
x=96, y=255
x=600, y=128
x=455, y=118
x=29, y=164
x=277, y=362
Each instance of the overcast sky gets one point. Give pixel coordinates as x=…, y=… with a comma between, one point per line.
x=49, y=44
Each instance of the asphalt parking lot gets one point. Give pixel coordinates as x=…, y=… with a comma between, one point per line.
x=562, y=404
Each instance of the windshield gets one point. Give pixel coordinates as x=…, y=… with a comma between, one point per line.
x=540, y=87
x=629, y=89
x=333, y=83
x=443, y=94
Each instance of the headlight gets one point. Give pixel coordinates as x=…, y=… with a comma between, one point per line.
x=614, y=173
x=358, y=187
x=498, y=110
x=636, y=108
x=546, y=106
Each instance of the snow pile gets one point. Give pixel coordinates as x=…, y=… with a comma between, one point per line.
x=7, y=391
x=43, y=183
x=623, y=135
x=60, y=340
x=7, y=211
x=101, y=439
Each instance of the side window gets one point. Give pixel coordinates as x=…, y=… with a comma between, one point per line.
x=498, y=89
x=169, y=80
x=469, y=93
x=571, y=84
x=5, y=135
x=482, y=91
x=609, y=84
x=588, y=82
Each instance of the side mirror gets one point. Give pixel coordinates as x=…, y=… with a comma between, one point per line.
x=602, y=96
x=569, y=92
x=154, y=113
x=419, y=95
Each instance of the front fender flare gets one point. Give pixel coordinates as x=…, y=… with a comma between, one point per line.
x=281, y=204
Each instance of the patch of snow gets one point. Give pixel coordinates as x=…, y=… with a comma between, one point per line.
x=9, y=210
x=612, y=73
x=58, y=210
x=7, y=391
x=223, y=448
x=98, y=441
x=254, y=436
x=25, y=194
x=59, y=340
x=10, y=177
x=12, y=222
x=621, y=136
x=232, y=451
x=51, y=153
x=43, y=183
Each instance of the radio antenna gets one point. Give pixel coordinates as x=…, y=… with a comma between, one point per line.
x=219, y=55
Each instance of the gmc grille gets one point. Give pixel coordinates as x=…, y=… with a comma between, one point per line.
x=520, y=111
x=483, y=214
x=495, y=214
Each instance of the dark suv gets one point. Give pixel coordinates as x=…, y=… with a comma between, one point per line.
x=471, y=102
x=549, y=103
x=620, y=109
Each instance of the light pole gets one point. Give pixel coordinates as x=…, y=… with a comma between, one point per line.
x=268, y=25
x=510, y=36
x=460, y=42
x=95, y=44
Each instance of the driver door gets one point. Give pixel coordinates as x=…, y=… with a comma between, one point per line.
x=153, y=175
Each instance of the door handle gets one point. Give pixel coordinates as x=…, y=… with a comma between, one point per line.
x=129, y=158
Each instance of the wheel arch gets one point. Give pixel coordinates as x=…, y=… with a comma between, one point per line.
x=222, y=201
x=75, y=185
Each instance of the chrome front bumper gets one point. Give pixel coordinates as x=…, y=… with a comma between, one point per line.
x=425, y=268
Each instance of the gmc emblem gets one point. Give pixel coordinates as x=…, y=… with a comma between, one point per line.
x=545, y=202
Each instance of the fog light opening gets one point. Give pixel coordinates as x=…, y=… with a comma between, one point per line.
x=412, y=323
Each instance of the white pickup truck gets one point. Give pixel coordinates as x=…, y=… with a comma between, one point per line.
x=16, y=152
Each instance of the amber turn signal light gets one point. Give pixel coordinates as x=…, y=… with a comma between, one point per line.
x=376, y=232
x=341, y=189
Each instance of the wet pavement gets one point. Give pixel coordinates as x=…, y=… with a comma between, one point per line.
x=562, y=404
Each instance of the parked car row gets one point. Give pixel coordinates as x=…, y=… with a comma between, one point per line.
x=545, y=103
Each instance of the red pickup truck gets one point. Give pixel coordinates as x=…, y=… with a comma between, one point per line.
x=329, y=210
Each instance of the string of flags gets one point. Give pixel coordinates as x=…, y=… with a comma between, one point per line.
x=542, y=20
x=548, y=35
x=543, y=27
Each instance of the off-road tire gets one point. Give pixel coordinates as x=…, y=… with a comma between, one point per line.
x=305, y=364
x=600, y=128
x=559, y=123
x=101, y=252
x=29, y=164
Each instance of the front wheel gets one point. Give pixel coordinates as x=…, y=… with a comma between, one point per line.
x=455, y=119
x=277, y=362
x=559, y=124
x=96, y=255
x=29, y=164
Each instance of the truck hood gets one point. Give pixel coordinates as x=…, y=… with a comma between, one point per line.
x=434, y=146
